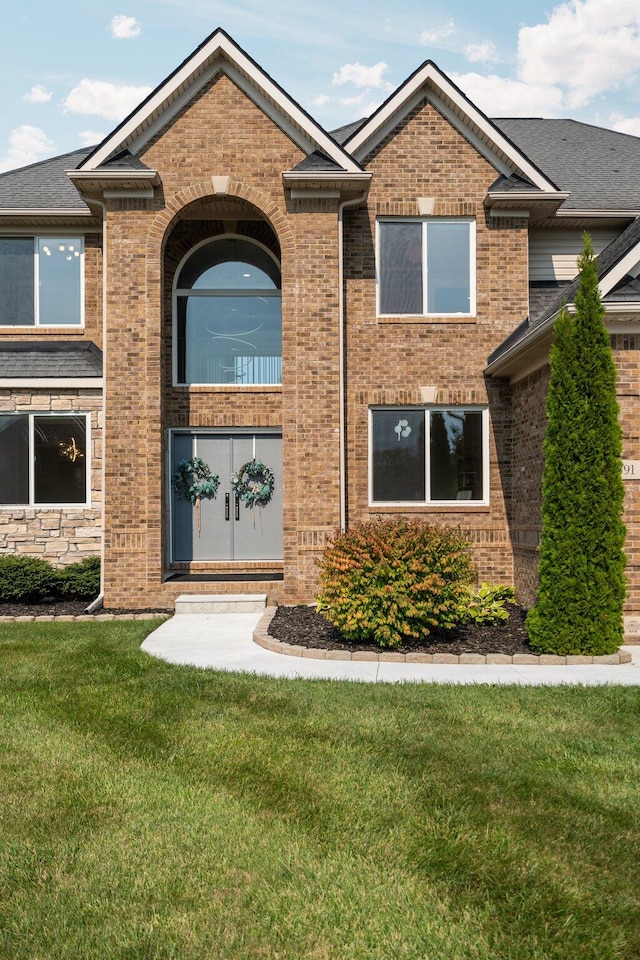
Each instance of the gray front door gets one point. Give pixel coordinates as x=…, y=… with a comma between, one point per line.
x=228, y=529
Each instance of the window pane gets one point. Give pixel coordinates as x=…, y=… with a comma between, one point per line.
x=230, y=339
x=14, y=459
x=401, y=268
x=16, y=281
x=229, y=263
x=60, y=459
x=59, y=281
x=456, y=455
x=448, y=273
x=398, y=455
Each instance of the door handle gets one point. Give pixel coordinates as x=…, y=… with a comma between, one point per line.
x=237, y=507
x=226, y=506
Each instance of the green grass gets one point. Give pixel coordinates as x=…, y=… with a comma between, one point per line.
x=152, y=812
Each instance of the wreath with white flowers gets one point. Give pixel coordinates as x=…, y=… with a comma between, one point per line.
x=194, y=481
x=254, y=483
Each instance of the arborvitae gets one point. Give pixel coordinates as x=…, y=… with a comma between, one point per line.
x=581, y=571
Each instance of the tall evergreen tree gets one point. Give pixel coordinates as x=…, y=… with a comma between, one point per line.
x=581, y=570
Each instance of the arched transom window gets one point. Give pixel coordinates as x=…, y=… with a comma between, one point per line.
x=229, y=314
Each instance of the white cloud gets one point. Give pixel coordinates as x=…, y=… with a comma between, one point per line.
x=104, y=99
x=438, y=34
x=587, y=46
x=88, y=137
x=625, y=124
x=124, y=28
x=321, y=100
x=26, y=145
x=361, y=76
x=37, y=94
x=481, y=52
x=501, y=97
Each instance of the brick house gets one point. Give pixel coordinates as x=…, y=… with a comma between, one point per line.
x=367, y=312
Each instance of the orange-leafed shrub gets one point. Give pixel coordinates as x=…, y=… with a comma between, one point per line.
x=388, y=580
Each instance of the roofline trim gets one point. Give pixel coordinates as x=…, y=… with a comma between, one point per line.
x=45, y=212
x=78, y=383
x=429, y=75
x=218, y=48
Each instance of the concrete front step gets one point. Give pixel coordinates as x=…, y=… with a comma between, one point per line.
x=221, y=603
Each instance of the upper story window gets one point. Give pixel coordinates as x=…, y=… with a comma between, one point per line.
x=426, y=267
x=228, y=307
x=41, y=281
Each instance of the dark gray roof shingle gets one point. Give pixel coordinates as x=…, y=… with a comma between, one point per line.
x=600, y=168
x=44, y=185
x=60, y=358
x=317, y=161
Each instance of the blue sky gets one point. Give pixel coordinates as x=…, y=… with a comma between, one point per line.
x=71, y=71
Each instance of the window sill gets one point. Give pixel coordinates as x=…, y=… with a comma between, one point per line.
x=229, y=387
x=42, y=331
x=427, y=320
x=432, y=508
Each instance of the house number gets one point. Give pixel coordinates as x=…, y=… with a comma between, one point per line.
x=631, y=469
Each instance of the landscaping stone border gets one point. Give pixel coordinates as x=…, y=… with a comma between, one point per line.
x=86, y=617
x=263, y=639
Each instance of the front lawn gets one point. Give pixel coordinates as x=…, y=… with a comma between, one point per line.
x=154, y=812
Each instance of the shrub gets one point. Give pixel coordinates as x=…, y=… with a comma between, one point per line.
x=388, y=580
x=33, y=580
x=485, y=604
x=26, y=580
x=79, y=581
x=581, y=570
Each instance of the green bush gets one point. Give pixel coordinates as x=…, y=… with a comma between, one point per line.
x=80, y=581
x=388, y=580
x=579, y=609
x=33, y=580
x=485, y=604
x=26, y=580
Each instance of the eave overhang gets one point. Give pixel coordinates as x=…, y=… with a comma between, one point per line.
x=535, y=204
x=341, y=184
x=532, y=351
x=28, y=218
x=140, y=183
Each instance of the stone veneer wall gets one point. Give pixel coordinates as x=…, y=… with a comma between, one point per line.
x=59, y=534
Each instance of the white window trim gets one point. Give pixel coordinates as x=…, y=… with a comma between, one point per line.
x=36, y=283
x=458, y=504
x=32, y=505
x=182, y=291
x=425, y=284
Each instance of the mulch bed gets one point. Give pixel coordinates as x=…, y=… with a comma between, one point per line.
x=304, y=626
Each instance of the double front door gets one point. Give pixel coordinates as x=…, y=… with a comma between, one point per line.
x=226, y=529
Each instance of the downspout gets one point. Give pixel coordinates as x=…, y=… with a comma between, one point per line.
x=341, y=356
x=99, y=600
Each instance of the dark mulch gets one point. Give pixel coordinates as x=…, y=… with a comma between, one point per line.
x=303, y=625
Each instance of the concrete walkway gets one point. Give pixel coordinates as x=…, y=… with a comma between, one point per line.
x=224, y=642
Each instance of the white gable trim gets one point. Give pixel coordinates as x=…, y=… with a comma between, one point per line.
x=629, y=264
x=218, y=54
x=461, y=113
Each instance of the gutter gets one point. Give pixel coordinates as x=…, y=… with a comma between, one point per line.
x=356, y=201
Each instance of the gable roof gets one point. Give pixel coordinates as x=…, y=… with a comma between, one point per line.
x=618, y=270
x=429, y=81
x=600, y=168
x=218, y=54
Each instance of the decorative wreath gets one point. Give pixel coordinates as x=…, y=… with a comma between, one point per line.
x=193, y=480
x=254, y=483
